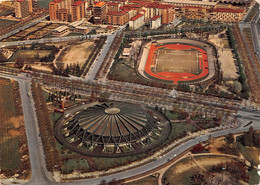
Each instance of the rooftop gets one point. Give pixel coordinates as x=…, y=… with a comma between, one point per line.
x=155, y=18
x=136, y=17
x=228, y=10
x=197, y=3
x=76, y=3
x=99, y=4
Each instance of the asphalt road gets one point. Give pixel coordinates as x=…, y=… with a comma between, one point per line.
x=39, y=175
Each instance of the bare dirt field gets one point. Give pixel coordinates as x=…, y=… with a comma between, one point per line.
x=226, y=59
x=177, y=61
x=29, y=54
x=75, y=54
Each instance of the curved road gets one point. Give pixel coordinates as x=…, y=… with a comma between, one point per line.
x=40, y=176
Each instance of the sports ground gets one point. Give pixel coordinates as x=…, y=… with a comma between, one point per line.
x=176, y=62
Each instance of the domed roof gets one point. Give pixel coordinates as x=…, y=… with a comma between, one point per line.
x=109, y=123
x=112, y=129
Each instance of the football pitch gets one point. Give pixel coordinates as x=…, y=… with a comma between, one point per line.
x=177, y=61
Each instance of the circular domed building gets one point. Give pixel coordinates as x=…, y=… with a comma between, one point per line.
x=112, y=129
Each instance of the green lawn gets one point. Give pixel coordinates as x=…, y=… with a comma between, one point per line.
x=250, y=153
x=106, y=163
x=179, y=130
x=253, y=177
x=9, y=154
x=5, y=23
x=171, y=115
x=75, y=164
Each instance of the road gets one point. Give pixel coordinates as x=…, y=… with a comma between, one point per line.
x=40, y=176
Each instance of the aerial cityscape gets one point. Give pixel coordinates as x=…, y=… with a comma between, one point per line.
x=130, y=92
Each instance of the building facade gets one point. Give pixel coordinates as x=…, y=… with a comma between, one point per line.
x=99, y=12
x=117, y=18
x=78, y=10
x=136, y=22
x=155, y=22
x=21, y=9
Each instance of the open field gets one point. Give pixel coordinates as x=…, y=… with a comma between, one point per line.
x=44, y=4
x=182, y=171
x=177, y=61
x=29, y=54
x=34, y=32
x=12, y=131
x=75, y=54
x=5, y=23
x=150, y=180
x=174, y=65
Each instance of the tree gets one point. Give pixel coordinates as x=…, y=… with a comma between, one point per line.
x=237, y=87
x=230, y=138
x=197, y=148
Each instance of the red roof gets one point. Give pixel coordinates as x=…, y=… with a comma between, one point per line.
x=136, y=17
x=159, y=6
x=155, y=18
x=100, y=4
x=118, y=13
x=112, y=4
x=119, y=0
x=76, y=3
x=228, y=10
x=110, y=27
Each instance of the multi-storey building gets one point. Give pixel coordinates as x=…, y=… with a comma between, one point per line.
x=62, y=15
x=136, y=22
x=192, y=12
x=155, y=22
x=99, y=12
x=113, y=7
x=21, y=9
x=78, y=10
x=117, y=18
x=167, y=12
x=227, y=14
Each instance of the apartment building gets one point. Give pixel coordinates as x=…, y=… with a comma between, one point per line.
x=99, y=12
x=155, y=22
x=117, y=18
x=78, y=10
x=136, y=22
x=227, y=14
x=21, y=9
x=192, y=12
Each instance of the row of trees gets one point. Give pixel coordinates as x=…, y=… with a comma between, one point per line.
x=44, y=122
x=242, y=78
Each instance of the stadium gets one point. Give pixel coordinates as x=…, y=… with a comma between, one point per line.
x=177, y=61
x=112, y=129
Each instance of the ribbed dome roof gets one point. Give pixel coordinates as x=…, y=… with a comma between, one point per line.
x=112, y=123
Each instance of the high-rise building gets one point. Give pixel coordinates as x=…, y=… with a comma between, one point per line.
x=99, y=13
x=78, y=10
x=21, y=9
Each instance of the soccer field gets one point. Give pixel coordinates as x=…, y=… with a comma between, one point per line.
x=177, y=61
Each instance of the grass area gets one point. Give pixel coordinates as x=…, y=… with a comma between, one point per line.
x=5, y=23
x=9, y=154
x=150, y=180
x=182, y=171
x=46, y=95
x=106, y=163
x=55, y=116
x=74, y=34
x=73, y=164
x=179, y=130
x=44, y=4
x=171, y=115
x=29, y=54
x=251, y=154
x=253, y=176
x=123, y=71
x=9, y=135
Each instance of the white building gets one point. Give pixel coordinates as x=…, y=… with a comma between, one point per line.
x=156, y=22
x=136, y=22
